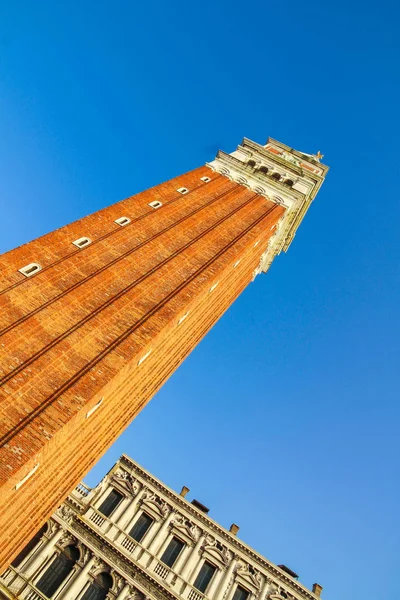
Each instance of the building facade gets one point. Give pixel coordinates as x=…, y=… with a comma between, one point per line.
x=97, y=315
x=131, y=537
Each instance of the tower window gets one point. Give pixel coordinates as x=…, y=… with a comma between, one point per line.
x=82, y=242
x=263, y=169
x=30, y=269
x=144, y=358
x=205, y=179
x=204, y=577
x=155, y=204
x=172, y=552
x=94, y=408
x=110, y=503
x=141, y=527
x=288, y=182
x=183, y=317
x=276, y=176
x=182, y=190
x=240, y=594
x=122, y=221
x=251, y=163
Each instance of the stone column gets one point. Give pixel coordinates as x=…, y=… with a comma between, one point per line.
x=192, y=559
x=124, y=592
x=126, y=517
x=215, y=581
x=159, y=536
x=224, y=582
x=45, y=551
x=77, y=582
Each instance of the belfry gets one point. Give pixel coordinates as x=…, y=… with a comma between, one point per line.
x=97, y=315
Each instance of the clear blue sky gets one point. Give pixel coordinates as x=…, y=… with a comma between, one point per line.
x=285, y=419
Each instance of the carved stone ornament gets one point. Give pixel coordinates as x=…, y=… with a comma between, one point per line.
x=66, y=539
x=211, y=543
x=127, y=481
x=52, y=527
x=66, y=513
x=248, y=572
x=99, y=565
x=85, y=554
x=190, y=528
x=152, y=498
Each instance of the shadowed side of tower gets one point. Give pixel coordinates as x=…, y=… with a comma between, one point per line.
x=98, y=314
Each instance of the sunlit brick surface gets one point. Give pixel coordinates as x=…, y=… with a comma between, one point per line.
x=75, y=332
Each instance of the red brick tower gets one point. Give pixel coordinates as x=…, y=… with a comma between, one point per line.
x=98, y=314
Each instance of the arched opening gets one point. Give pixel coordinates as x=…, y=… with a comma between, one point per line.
x=29, y=547
x=58, y=571
x=263, y=170
x=251, y=163
x=99, y=587
x=276, y=176
x=289, y=182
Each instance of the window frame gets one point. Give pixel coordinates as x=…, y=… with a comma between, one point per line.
x=166, y=549
x=209, y=563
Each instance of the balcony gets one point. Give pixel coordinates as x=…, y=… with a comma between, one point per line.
x=19, y=586
x=140, y=555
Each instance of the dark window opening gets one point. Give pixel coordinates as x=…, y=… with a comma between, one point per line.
x=110, y=503
x=58, y=571
x=263, y=170
x=140, y=527
x=99, y=588
x=204, y=577
x=29, y=547
x=251, y=163
x=240, y=594
x=288, y=182
x=276, y=176
x=172, y=552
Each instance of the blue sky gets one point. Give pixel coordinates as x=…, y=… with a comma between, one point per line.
x=285, y=419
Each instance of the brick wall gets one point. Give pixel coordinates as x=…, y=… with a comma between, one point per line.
x=73, y=334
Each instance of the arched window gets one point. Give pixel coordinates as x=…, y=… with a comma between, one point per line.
x=263, y=169
x=99, y=587
x=29, y=547
x=288, y=182
x=276, y=176
x=58, y=571
x=251, y=163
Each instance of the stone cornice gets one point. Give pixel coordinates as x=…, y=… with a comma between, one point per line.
x=280, y=575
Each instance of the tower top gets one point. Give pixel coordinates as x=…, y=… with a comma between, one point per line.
x=279, y=173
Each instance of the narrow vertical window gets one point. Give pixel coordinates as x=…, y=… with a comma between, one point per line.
x=182, y=190
x=205, y=179
x=172, y=552
x=141, y=527
x=155, y=204
x=204, y=577
x=110, y=503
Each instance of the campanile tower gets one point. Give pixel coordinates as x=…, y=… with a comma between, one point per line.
x=98, y=314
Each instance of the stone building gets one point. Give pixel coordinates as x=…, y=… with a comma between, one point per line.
x=95, y=317
x=131, y=537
